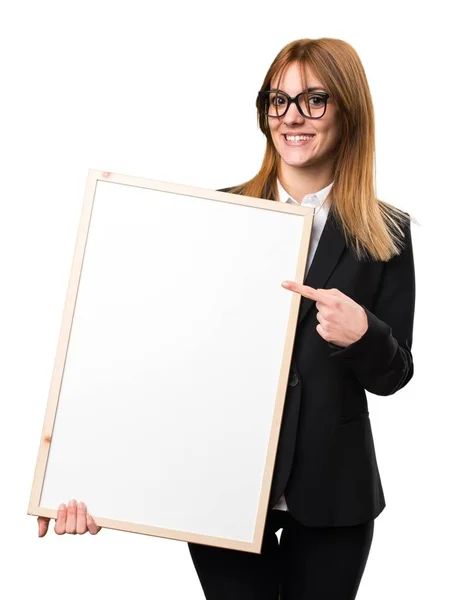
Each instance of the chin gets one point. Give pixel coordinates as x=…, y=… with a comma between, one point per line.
x=303, y=162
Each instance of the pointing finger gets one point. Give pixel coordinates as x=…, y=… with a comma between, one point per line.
x=304, y=290
x=299, y=288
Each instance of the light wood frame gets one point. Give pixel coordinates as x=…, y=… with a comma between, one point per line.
x=303, y=218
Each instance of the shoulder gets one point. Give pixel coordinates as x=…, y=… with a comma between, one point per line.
x=395, y=218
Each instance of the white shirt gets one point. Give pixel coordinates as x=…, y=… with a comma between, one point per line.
x=313, y=200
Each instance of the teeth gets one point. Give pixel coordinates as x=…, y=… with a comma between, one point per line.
x=298, y=138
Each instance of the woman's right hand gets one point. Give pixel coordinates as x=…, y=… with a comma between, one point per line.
x=73, y=519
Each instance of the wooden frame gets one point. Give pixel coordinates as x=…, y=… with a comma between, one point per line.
x=95, y=435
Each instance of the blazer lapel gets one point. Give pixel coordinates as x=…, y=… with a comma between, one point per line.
x=330, y=248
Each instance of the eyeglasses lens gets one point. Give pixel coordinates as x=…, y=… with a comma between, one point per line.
x=312, y=105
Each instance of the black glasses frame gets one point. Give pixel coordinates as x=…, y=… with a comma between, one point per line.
x=263, y=98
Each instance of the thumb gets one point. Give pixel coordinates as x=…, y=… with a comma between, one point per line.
x=43, y=526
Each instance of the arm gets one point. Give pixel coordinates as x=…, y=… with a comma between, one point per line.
x=381, y=359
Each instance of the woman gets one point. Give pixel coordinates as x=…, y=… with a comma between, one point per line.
x=354, y=333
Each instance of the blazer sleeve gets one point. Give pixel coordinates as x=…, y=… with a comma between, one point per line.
x=381, y=359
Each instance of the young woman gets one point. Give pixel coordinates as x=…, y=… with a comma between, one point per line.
x=354, y=334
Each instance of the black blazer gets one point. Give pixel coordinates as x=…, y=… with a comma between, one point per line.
x=325, y=463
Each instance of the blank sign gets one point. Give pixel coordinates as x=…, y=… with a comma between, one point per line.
x=171, y=369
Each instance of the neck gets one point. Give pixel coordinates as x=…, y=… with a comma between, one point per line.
x=300, y=181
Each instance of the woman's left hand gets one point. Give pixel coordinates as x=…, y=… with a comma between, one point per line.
x=341, y=320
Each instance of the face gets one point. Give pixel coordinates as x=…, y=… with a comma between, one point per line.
x=319, y=150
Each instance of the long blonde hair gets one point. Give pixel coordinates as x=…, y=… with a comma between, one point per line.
x=371, y=227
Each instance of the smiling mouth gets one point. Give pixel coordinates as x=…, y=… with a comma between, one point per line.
x=298, y=138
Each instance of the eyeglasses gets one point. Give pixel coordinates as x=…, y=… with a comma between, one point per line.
x=275, y=103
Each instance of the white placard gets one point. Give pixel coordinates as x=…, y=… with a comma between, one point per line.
x=171, y=370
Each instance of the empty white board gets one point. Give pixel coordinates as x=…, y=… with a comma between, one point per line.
x=171, y=368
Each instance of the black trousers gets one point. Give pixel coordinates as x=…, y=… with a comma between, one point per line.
x=309, y=563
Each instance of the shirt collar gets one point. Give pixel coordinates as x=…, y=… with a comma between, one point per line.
x=313, y=200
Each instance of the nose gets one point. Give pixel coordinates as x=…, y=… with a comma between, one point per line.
x=293, y=115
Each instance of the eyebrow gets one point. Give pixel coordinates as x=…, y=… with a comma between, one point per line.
x=311, y=89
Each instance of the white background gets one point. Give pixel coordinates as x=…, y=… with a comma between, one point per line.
x=167, y=91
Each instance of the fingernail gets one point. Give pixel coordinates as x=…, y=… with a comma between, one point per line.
x=81, y=505
x=62, y=507
x=72, y=502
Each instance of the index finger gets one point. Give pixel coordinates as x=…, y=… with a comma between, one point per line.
x=305, y=290
x=320, y=294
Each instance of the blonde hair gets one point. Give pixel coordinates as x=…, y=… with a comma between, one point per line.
x=371, y=227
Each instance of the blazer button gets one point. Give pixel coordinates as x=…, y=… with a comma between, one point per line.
x=293, y=379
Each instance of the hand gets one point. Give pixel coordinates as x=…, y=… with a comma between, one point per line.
x=341, y=320
x=75, y=519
